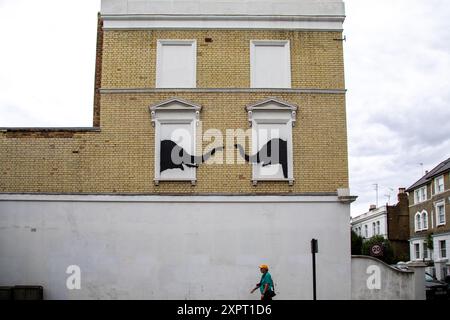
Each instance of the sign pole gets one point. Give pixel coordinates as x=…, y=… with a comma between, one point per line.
x=314, y=250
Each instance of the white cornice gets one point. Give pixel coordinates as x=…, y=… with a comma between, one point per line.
x=172, y=198
x=224, y=7
x=232, y=22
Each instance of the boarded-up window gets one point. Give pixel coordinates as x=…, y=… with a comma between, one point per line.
x=270, y=64
x=176, y=64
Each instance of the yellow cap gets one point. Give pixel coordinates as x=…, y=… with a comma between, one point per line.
x=264, y=266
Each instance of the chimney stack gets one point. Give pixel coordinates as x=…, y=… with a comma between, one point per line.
x=402, y=196
x=372, y=207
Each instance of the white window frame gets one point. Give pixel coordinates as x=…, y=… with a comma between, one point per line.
x=378, y=227
x=366, y=231
x=374, y=228
x=287, y=59
x=417, y=252
x=443, y=249
x=273, y=111
x=436, y=206
x=174, y=111
x=418, y=195
x=436, y=185
x=418, y=222
x=424, y=220
x=160, y=44
x=425, y=250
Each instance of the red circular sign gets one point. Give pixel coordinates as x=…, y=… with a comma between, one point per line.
x=376, y=250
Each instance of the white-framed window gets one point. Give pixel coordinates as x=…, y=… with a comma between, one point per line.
x=417, y=251
x=440, y=213
x=175, y=122
x=420, y=195
x=176, y=64
x=424, y=220
x=366, y=231
x=425, y=250
x=270, y=64
x=418, y=222
x=443, y=249
x=439, y=185
x=374, y=228
x=272, y=147
x=378, y=227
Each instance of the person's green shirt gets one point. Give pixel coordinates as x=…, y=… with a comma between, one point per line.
x=266, y=278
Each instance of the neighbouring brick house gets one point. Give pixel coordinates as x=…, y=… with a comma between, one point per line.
x=389, y=221
x=108, y=199
x=429, y=216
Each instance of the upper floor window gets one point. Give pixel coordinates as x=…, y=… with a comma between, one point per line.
x=272, y=152
x=366, y=231
x=424, y=220
x=418, y=222
x=270, y=64
x=175, y=123
x=374, y=230
x=440, y=213
x=378, y=227
x=176, y=64
x=439, y=184
x=420, y=195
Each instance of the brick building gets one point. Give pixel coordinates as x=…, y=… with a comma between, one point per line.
x=389, y=221
x=190, y=77
x=429, y=216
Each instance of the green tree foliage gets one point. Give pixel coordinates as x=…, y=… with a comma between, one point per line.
x=430, y=241
x=388, y=252
x=357, y=242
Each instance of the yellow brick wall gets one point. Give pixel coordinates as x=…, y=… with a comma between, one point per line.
x=129, y=58
x=120, y=158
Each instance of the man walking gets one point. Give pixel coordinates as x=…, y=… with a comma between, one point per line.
x=266, y=284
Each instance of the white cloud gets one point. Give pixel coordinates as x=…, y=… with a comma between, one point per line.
x=47, y=62
x=397, y=71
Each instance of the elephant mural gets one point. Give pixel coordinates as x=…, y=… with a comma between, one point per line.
x=172, y=156
x=273, y=152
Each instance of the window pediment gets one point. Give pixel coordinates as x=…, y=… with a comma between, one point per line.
x=175, y=105
x=273, y=106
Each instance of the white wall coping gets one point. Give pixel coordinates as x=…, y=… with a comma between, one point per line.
x=321, y=15
x=223, y=7
x=172, y=198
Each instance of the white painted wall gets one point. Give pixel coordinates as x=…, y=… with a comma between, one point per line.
x=227, y=7
x=372, y=279
x=442, y=264
x=223, y=14
x=174, y=247
x=370, y=218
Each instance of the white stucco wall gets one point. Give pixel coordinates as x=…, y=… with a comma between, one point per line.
x=229, y=7
x=223, y=14
x=372, y=279
x=174, y=247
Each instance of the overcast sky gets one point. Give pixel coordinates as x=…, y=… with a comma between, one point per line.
x=397, y=75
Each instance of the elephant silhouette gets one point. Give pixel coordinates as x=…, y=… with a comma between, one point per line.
x=273, y=152
x=172, y=156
